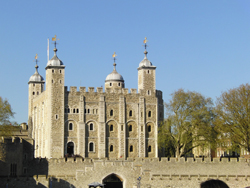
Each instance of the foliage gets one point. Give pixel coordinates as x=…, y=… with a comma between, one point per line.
x=233, y=116
x=5, y=114
x=188, y=123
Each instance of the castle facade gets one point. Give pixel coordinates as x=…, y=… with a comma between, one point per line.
x=114, y=123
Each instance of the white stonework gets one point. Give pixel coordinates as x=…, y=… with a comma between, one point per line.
x=95, y=124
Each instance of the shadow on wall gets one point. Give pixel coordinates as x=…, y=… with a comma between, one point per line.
x=30, y=182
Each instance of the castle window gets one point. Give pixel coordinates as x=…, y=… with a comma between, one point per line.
x=85, y=111
x=34, y=85
x=13, y=169
x=122, y=127
x=71, y=126
x=74, y=110
x=56, y=116
x=149, y=128
x=110, y=84
x=93, y=111
x=52, y=71
x=130, y=113
x=149, y=93
x=111, y=128
x=37, y=93
x=130, y=128
x=141, y=128
x=111, y=113
x=149, y=113
x=111, y=149
x=60, y=71
x=88, y=111
x=149, y=148
x=141, y=114
x=91, y=127
x=77, y=110
x=91, y=146
x=96, y=111
x=34, y=93
x=25, y=170
x=68, y=110
x=119, y=84
x=131, y=149
x=52, y=81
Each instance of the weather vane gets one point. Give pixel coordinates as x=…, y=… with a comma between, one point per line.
x=36, y=57
x=55, y=39
x=145, y=45
x=114, y=55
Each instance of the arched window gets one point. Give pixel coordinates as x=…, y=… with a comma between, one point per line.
x=68, y=110
x=119, y=84
x=111, y=128
x=111, y=149
x=33, y=93
x=131, y=149
x=37, y=93
x=122, y=127
x=91, y=146
x=149, y=128
x=111, y=113
x=74, y=110
x=60, y=71
x=110, y=84
x=130, y=128
x=77, y=110
x=88, y=111
x=53, y=71
x=149, y=148
x=91, y=127
x=130, y=113
x=70, y=126
x=149, y=113
x=85, y=111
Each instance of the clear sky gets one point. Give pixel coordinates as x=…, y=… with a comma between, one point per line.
x=196, y=45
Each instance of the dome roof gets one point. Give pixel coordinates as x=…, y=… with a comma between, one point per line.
x=114, y=76
x=36, y=77
x=55, y=61
x=145, y=63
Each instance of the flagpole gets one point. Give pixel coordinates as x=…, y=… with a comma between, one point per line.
x=48, y=50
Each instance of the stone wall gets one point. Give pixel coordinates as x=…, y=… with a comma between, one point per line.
x=154, y=173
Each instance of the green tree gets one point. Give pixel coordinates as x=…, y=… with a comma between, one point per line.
x=5, y=114
x=233, y=116
x=188, y=122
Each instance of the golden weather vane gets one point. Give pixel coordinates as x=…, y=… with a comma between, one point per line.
x=55, y=39
x=145, y=43
x=36, y=57
x=114, y=55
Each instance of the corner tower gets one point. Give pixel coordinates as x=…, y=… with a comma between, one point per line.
x=55, y=105
x=146, y=74
x=36, y=87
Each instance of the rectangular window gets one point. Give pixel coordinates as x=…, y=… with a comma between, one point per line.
x=13, y=169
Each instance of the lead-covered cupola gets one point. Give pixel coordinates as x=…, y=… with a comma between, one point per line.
x=36, y=77
x=114, y=79
x=55, y=61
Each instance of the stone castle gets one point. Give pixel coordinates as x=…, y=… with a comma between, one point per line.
x=105, y=137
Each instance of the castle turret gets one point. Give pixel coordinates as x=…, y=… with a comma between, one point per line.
x=55, y=106
x=114, y=79
x=36, y=87
x=146, y=74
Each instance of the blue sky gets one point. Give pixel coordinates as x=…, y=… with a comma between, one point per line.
x=196, y=45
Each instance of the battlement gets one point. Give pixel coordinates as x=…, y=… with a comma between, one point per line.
x=125, y=91
x=11, y=140
x=150, y=160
